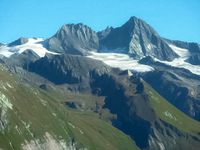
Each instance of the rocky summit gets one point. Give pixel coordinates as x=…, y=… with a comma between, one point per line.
x=123, y=88
x=74, y=39
x=138, y=39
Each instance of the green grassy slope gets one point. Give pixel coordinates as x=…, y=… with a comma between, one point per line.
x=169, y=113
x=30, y=113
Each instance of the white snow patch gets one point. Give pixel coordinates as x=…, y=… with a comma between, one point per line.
x=5, y=51
x=150, y=46
x=69, y=123
x=180, y=63
x=122, y=61
x=44, y=103
x=4, y=106
x=35, y=44
x=18, y=130
x=81, y=131
x=27, y=127
x=54, y=114
x=9, y=85
x=50, y=143
x=11, y=145
x=162, y=147
x=183, y=53
x=168, y=114
x=4, y=102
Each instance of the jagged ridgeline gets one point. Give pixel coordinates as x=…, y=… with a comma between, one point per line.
x=135, y=37
x=121, y=88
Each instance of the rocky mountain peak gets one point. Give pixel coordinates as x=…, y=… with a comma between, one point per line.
x=74, y=39
x=134, y=21
x=135, y=24
x=135, y=37
x=19, y=41
x=74, y=28
x=102, y=34
x=138, y=39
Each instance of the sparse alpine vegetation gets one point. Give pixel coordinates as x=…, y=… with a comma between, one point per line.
x=123, y=88
x=33, y=119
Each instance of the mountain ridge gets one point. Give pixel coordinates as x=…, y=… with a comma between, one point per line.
x=76, y=37
x=127, y=79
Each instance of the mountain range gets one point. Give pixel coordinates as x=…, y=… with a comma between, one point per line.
x=120, y=88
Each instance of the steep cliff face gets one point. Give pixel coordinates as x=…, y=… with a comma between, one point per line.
x=74, y=39
x=69, y=69
x=126, y=97
x=33, y=118
x=72, y=100
x=194, y=59
x=138, y=108
x=179, y=86
x=138, y=39
x=135, y=37
x=194, y=49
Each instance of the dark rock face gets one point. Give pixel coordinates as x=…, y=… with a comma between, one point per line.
x=104, y=33
x=194, y=59
x=23, y=60
x=194, y=49
x=74, y=39
x=179, y=86
x=1, y=60
x=19, y=41
x=191, y=46
x=135, y=37
x=124, y=97
x=70, y=69
x=147, y=60
x=46, y=87
x=162, y=131
x=176, y=93
x=138, y=39
x=134, y=114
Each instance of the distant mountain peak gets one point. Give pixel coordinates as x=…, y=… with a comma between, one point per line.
x=19, y=41
x=134, y=19
x=138, y=39
x=135, y=37
x=74, y=39
x=139, y=25
x=75, y=26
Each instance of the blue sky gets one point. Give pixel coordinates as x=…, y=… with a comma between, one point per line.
x=174, y=19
